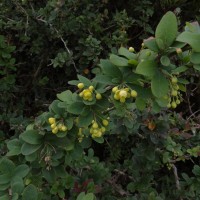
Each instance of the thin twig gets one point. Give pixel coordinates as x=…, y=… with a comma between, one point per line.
x=27, y=16
x=193, y=114
x=176, y=178
x=61, y=38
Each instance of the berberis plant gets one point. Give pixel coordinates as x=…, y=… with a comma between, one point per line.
x=117, y=136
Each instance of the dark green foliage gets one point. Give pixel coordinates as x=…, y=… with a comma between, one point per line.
x=147, y=151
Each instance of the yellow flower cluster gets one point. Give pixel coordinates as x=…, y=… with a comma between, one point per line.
x=56, y=126
x=87, y=94
x=97, y=131
x=175, y=96
x=123, y=94
x=80, y=134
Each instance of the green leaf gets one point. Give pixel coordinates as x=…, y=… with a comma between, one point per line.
x=6, y=165
x=5, y=197
x=133, y=62
x=147, y=68
x=103, y=79
x=183, y=81
x=17, y=186
x=195, y=58
x=4, y=179
x=197, y=67
x=89, y=196
x=99, y=140
x=81, y=196
x=14, y=147
x=84, y=80
x=31, y=137
x=55, y=107
x=118, y=61
x=165, y=61
x=196, y=170
x=21, y=170
x=140, y=103
x=15, y=196
x=151, y=44
x=30, y=193
x=4, y=187
x=180, y=69
x=65, y=96
x=126, y=53
x=28, y=149
x=193, y=39
x=76, y=108
x=109, y=69
x=159, y=85
x=166, y=30
x=85, y=120
x=31, y=157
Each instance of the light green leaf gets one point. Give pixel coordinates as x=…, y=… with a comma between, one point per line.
x=140, y=103
x=165, y=61
x=166, y=30
x=195, y=58
x=84, y=80
x=159, y=85
x=89, y=196
x=81, y=196
x=65, y=96
x=147, y=68
x=151, y=44
x=103, y=79
x=197, y=67
x=118, y=61
x=193, y=39
x=180, y=69
x=109, y=69
x=126, y=53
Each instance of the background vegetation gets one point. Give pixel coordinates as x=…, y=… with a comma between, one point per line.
x=44, y=45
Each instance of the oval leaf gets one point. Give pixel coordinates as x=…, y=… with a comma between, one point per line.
x=31, y=137
x=159, y=85
x=147, y=68
x=30, y=193
x=167, y=29
x=118, y=61
x=28, y=149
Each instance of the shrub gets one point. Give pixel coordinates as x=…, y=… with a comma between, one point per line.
x=116, y=136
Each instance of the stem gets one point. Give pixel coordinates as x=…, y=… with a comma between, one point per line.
x=176, y=178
